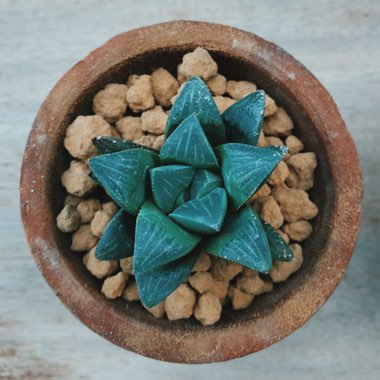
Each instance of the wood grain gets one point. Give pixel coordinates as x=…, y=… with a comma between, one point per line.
x=39, y=40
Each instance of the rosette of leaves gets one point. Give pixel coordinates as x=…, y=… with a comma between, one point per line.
x=190, y=196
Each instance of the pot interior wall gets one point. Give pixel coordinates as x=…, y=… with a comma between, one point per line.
x=322, y=193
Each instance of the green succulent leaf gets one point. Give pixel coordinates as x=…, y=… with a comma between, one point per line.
x=106, y=144
x=204, y=215
x=196, y=98
x=245, y=168
x=280, y=250
x=123, y=176
x=203, y=182
x=168, y=182
x=118, y=238
x=243, y=241
x=244, y=119
x=155, y=285
x=158, y=240
x=188, y=145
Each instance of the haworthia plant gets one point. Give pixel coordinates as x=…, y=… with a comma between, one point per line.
x=190, y=196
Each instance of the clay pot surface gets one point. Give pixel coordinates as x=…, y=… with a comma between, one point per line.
x=337, y=192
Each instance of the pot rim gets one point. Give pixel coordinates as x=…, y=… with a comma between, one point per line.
x=203, y=345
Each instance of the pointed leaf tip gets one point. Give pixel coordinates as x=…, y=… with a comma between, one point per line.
x=155, y=285
x=280, y=250
x=123, y=176
x=243, y=241
x=158, y=240
x=244, y=119
x=204, y=215
x=106, y=144
x=196, y=98
x=188, y=145
x=168, y=182
x=118, y=238
x=245, y=168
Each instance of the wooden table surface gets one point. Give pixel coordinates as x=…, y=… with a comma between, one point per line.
x=339, y=41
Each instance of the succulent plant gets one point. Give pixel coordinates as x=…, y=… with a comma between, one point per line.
x=191, y=196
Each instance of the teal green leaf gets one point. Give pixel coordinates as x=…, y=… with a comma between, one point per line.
x=117, y=239
x=123, y=176
x=106, y=144
x=155, y=285
x=158, y=240
x=183, y=197
x=244, y=119
x=245, y=168
x=243, y=241
x=188, y=145
x=167, y=182
x=203, y=182
x=280, y=250
x=204, y=215
x=195, y=98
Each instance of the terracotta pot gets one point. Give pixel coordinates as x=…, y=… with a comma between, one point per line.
x=337, y=192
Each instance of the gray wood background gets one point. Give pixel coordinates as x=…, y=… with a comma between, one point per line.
x=339, y=41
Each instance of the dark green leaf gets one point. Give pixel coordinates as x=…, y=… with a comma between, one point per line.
x=155, y=285
x=280, y=250
x=204, y=215
x=123, y=176
x=243, y=241
x=167, y=182
x=245, y=168
x=203, y=182
x=158, y=240
x=188, y=145
x=244, y=119
x=196, y=98
x=106, y=144
x=117, y=239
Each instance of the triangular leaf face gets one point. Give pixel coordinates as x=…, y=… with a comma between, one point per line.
x=155, y=285
x=204, y=215
x=245, y=168
x=280, y=250
x=188, y=145
x=203, y=182
x=158, y=240
x=106, y=144
x=123, y=176
x=117, y=239
x=244, y=119
x=167, y=182
x=195, y=98
x=243, y=241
